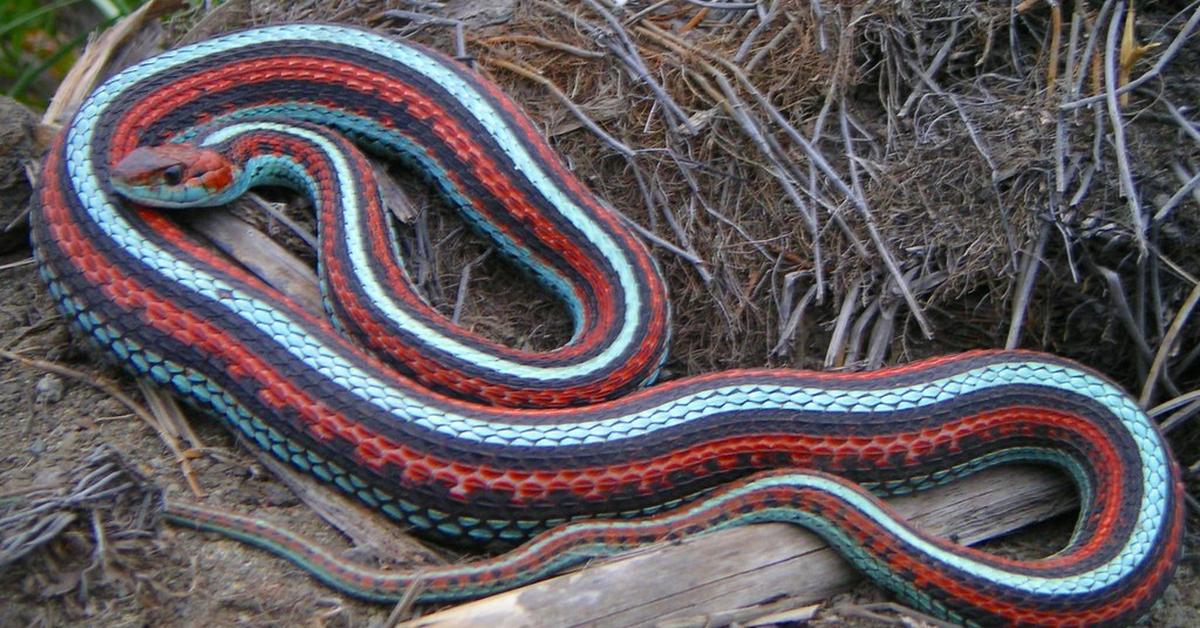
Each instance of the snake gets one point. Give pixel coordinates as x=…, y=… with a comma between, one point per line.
x=566, y=454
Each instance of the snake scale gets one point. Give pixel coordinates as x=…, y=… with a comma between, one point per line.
x=435, y=426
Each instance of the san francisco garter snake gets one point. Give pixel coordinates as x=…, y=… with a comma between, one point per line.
x=788, y=445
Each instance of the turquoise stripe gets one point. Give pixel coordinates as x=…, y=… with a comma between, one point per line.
x=285, y=331
x=88, y=183
x=382, y=139
x=1080, y=584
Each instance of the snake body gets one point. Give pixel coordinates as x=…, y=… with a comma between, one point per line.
x=787, y=445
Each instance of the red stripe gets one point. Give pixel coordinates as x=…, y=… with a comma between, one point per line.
x=876, y=539
x=356, y=78
x=377, y=452
x=597, y=323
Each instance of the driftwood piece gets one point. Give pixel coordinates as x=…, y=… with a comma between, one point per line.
x=753, y=566
x=261, y=255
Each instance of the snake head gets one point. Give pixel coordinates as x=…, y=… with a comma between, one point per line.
x=175, y=176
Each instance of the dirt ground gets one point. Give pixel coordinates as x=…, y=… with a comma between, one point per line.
x=117, y=566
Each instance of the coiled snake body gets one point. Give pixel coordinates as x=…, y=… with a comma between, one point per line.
x=786, y=445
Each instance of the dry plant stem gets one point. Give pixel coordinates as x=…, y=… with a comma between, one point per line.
x=728, y=6
x=835, y=355
x=415, y=17
x=648, y=202
x=737, y=109
x=1189, y=187
x=977, y=142
x=404, y=607
x=661, y=201
x=858, y=333
x=859, y=203
x=697, y=194
x=1177, y=44
x=1117, y=294
x=166, y=409
x=1167, y=406
x=1114, y=113
x=269, y=209
x=531, y=74
x=882, y=334
x=1029, y=271
x=1183, y=175
x=695, y=21
x=1056, y=24
x=626, y=51
x=651, y=8
x=1187, y=126
x=1097, y=161
x=1188, y=359
x=1090, y=58
x=1178, y=418
x=762, y=25
x=1178, y=270
x=939, y=59
x=464, y=282
x=728, y=98
x=40, y=514
x=100, y=551
x=1014, y=43
x=1073, y=67
x=1168, y=345
x=1060, y=162
x=848, y=142
x=545, y=43
x=18, y=264
x=790, y=316
x=779, y=38
x=699, y=264
x=628, y=55
x=138, y=409
x=45, y=530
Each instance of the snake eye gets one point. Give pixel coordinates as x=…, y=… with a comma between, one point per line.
x=173, y=175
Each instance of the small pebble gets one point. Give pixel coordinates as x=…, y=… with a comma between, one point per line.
x=279, y=496
x=49, y=389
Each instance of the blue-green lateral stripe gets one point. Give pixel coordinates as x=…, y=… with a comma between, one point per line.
x=366, y=385
x=1154, y=465
x=395, y=145
x=624, y=423
x=1057, y=586
x=367, y=270
x=88, y=186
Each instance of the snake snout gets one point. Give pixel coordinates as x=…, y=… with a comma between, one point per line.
x=172, y=175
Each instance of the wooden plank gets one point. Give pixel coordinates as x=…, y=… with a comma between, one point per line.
x=754, y=565
x=260, y=254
